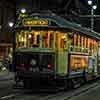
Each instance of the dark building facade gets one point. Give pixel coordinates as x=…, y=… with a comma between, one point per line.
x=7, y=14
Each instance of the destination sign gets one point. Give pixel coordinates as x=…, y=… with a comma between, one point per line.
x=35, y=23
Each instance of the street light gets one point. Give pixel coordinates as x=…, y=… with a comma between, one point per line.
x=92, y=14
x=11, y=24
x=89, y=2
x=93, y=7
x=23, y=10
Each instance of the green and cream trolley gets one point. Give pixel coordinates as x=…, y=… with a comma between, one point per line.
x=49, y=49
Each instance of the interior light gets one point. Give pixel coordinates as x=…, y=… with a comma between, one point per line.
x=22, y=39
x=30, y=36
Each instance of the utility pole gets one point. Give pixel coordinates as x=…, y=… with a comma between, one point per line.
x=92, y=19
x=93, y=7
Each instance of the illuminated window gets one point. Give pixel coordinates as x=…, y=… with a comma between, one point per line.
x=51, y=39
x=86, y=42
x=47, y=39
x=45, y=43
x=34, y=39
x=85, y=39
x=75, y=39
x=72, y=39
x=26, y=39
x=18, y=39
x=90, y=44
x=63, y=40
x=78, y=40
x=31, y=39
x=82, y=41
x=22, y=39
x=57, y=40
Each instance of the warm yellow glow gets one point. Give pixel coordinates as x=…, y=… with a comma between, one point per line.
x=35, y=36
x=63, y=36
x=19, y=38
x=63, y=40
x=48, y=40
x=78, y=62
x=11, y=49
x=85, y=42
x=25, y=40
x=58, y=40
x=75, y=37
x=44, y=38
x=78, y=40
x=22, y=39
x=82, y=41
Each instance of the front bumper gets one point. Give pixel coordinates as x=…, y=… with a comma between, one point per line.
x=35, y=76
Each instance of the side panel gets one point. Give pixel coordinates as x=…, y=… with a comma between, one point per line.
x=62, y=62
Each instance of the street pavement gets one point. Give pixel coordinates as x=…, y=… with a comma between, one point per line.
x=7, y=92
x=91, y=94
x=6, y=75
x=6, y=83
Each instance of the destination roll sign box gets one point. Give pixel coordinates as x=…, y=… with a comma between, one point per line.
x=35, y=22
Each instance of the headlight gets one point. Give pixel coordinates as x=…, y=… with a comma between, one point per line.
x=33, y=62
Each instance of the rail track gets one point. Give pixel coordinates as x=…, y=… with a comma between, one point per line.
x=48, y=95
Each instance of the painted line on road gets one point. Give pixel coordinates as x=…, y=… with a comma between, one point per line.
x=70, y=94
x=84, y=91
x=8, y=96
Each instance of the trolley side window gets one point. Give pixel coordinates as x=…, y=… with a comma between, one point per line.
x=34, y=40
x=43, y=39
x=61, y=40
x=26, y=39
x=47, y=39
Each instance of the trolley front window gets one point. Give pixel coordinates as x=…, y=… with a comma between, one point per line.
x=43, y=39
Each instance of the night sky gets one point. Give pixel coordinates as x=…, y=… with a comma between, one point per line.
x=53, y=4
x=58, y=5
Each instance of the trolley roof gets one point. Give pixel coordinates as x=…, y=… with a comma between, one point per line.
x=56, y=22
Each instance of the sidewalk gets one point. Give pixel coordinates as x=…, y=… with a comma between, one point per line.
x=6, y=75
